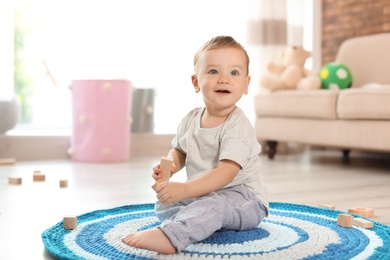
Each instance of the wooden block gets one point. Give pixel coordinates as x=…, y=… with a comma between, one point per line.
x=363, y=223
x=156, y=184
x=364, y=212
x=63, y=183
x=70, y=222
x=14, y=180
x=345, y=220
x=7, y=161
x=327, y=206
x=38, y=176
x=165, y=166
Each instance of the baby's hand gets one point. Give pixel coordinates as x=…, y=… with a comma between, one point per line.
x=156, y=175
x=156, y=172
x=171, y=192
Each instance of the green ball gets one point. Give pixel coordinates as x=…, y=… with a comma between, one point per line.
x=335, y=76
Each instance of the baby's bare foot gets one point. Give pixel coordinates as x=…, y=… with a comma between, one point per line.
x=151, y=239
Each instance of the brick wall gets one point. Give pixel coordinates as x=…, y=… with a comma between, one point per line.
x=344, y=19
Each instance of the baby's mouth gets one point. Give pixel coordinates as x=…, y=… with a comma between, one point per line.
x=223, y=91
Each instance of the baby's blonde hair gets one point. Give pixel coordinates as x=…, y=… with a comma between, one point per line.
x=221, y=42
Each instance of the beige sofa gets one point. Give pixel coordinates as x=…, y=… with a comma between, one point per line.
x=352, y=119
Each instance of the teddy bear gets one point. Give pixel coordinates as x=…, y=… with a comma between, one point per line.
x=290, y=73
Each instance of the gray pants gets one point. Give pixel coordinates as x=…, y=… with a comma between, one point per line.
x=193, y=220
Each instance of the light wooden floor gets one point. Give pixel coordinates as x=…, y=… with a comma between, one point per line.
x=310, y=178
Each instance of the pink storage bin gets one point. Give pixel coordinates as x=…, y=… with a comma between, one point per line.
x=101, y=120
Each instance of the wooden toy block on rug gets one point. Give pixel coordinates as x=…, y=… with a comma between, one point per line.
x=363, y=223
x=14, y=180
x=327, y=206
x=7, y=161
x=63, y=183
x=70, y=222
x=165, y=166
x=345, y=220
x=364, y=212
x=38, y=176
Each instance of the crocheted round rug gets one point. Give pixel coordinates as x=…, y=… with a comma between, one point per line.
x=291, y=231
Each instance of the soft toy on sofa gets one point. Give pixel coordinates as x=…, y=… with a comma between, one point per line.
x=335, y=76
x=291, y=74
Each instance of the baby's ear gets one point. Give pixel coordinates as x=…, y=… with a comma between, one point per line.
x=194, y=80
x=247, y=81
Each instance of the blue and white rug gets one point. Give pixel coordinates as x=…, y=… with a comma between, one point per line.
x=290, y=232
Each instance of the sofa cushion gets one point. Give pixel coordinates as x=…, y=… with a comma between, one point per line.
x=368, y=58
x=364, y=103
x=319, y=104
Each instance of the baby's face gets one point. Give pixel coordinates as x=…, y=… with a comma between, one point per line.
x=221, y=75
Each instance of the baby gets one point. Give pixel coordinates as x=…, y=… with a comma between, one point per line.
x=218, y=148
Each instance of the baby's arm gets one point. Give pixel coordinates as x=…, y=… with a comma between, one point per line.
x=179, y=159
x=213, y=180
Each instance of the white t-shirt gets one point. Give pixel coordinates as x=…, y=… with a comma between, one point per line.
x=233, y=140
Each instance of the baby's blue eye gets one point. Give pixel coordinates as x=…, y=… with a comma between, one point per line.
x=213, y=71
x=234, y=73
